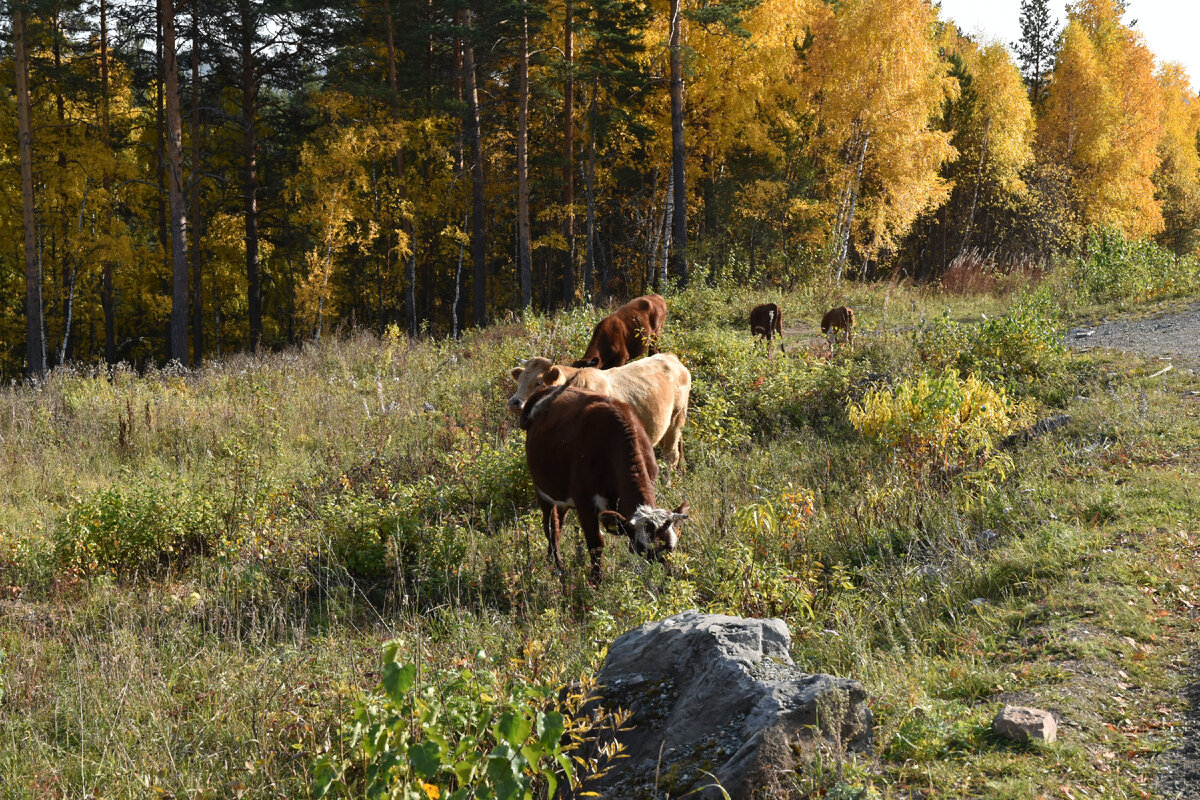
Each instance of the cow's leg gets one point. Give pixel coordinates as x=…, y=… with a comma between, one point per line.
x=552, y=526
x=589, y=521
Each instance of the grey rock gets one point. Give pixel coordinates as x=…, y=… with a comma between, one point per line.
x=718, y=699
x=1022, y=724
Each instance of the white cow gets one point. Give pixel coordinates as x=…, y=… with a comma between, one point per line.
x=657, y=387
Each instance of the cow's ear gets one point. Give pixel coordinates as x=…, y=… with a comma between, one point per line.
x=551, y=375
x=611, y=520
x=681, y=513
x=516, y=373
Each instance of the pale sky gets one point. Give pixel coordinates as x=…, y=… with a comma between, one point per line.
x=1170, y=26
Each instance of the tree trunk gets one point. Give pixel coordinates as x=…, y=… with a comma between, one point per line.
x=179, y=274
x=197, y=271
x=983, y=153
x=160, y=166
x=107, y=293
x=589, y=264
x=410, y=269
x=250, y=185
x=474, y=136
x=524, y=252
x=856, y=183
x=678, y=151
x=458, y=311
x=569, y=158
x=454, y=315
x=660, y=278
x=67, y=288
x=35, y=351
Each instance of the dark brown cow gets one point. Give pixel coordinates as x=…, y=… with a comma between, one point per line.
x=767, y=321
x=841, y=318
x=589, y=452
x=626, y=333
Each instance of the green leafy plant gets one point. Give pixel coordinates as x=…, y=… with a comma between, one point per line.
x=1023, y=344
x=1116, y=269
x=133, y=527
x=469, y=734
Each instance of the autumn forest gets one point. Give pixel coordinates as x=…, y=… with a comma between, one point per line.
x=185, y=181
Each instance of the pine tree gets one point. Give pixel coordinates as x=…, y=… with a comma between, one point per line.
x=1037, y=45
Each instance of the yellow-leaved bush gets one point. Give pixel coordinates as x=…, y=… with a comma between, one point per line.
x=941, y=422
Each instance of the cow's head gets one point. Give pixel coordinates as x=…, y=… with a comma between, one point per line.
x=533, y=374
x=584, y=363
x=651, y=531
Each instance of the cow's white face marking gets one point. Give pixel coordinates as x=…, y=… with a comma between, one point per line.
x=649, y=523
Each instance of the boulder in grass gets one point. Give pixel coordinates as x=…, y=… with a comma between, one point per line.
x=1022, y=724
x=717, y=699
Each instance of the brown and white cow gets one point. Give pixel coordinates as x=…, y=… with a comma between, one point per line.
x=589, y=452
x=835, y=319
x=658, y=389
x=626, y=333
x=767, y=321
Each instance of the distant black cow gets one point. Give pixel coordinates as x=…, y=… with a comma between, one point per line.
x=767, y=321
x=589, y=452
x=626, y=333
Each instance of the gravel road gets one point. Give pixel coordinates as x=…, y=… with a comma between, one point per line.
x=1174, y=336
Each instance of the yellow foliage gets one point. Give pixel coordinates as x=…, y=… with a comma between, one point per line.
x=999, y=134
x=1104, y=119
x=1178, y=176
x=877, y=79
x=941, y=421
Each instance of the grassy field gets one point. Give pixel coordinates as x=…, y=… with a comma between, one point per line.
x=199, y=570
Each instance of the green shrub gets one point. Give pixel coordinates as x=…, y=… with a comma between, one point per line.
x=1024, y=344
x=134, y=526
x=360, y=527
x=459, y=735
x=1116, y=269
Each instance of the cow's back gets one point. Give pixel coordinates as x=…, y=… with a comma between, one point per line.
x=579, y=444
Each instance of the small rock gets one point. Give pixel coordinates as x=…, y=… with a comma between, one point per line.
x=428, y=407
x=1021, y=724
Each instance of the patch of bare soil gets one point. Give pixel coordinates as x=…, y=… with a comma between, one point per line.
x=1175, y=336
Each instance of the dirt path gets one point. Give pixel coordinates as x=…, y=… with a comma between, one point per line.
x=1175, y=337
